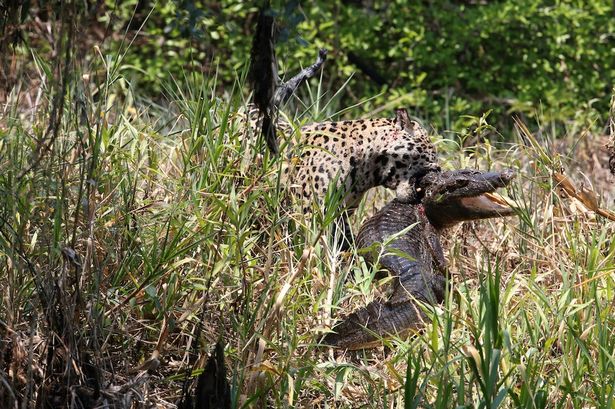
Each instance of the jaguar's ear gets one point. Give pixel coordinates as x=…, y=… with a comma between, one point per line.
x=403, y=119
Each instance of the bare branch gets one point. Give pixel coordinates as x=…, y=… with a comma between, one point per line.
x=267, y=93
x=287, y=89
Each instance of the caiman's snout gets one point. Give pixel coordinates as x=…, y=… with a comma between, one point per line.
x=460, y=195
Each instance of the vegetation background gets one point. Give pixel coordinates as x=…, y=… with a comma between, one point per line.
x=140, y=224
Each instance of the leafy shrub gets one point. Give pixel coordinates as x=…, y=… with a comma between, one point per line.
x=443, y=61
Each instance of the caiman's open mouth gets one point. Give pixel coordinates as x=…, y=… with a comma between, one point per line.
x=487, y=202
x=456, y=196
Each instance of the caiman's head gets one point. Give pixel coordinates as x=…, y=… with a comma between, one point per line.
x=455, y=196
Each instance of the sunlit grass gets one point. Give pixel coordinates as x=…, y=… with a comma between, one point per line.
x=184, y=235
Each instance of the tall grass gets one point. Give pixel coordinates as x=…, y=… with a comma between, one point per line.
x=145, y=233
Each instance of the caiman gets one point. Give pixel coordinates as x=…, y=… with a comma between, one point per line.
x=415, y=258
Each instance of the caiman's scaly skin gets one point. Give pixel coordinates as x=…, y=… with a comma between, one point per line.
x=449, y=198
x=419, y=276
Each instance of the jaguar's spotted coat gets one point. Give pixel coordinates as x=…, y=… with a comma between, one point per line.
x=358, y=155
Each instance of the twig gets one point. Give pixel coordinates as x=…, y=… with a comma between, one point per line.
x=267, y=92
x=287, y=89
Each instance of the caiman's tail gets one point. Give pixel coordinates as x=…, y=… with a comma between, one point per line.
x=366, y=327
